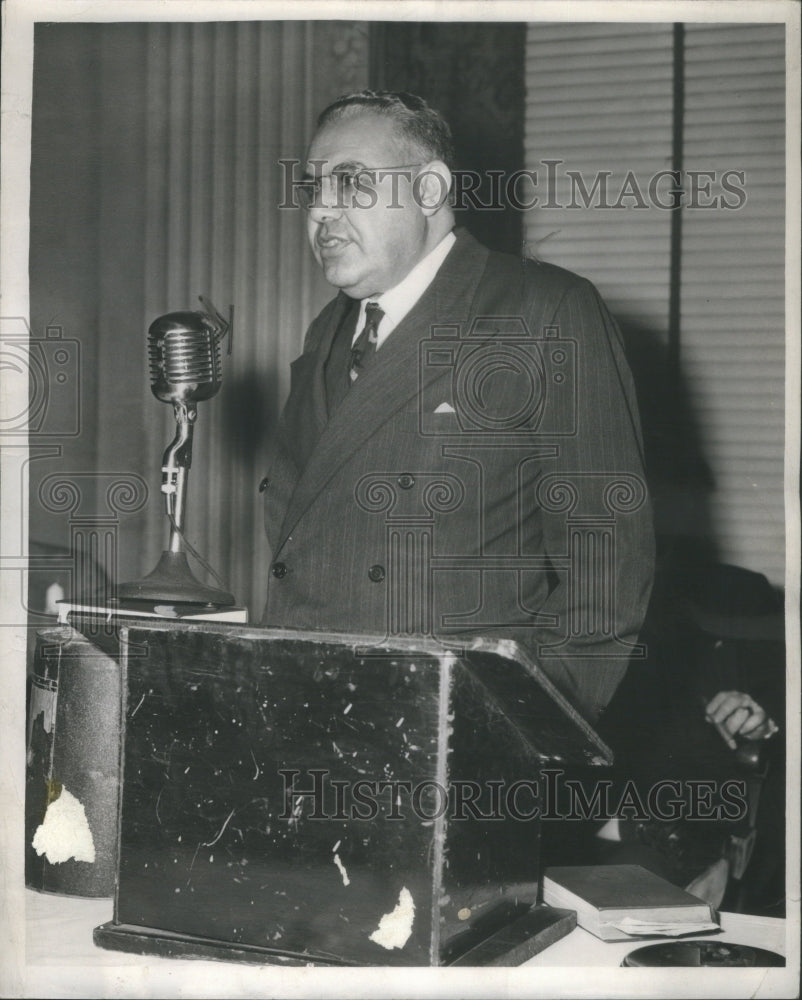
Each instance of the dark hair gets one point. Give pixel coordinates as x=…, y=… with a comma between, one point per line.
x=419, y=123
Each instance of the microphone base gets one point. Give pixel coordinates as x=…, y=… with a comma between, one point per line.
x=172, y=582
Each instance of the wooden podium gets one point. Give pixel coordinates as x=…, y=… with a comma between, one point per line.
x=310, y=798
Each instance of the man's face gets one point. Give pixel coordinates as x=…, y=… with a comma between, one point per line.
x=365, y=250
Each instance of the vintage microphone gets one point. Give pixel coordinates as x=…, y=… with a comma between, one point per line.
x=185, y=368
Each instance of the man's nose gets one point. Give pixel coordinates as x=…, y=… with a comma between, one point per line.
x=325, y=212
x=328, y=203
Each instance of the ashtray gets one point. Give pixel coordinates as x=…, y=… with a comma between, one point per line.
x=704, y=954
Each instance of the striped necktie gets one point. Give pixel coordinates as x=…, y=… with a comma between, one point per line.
x=365, y=344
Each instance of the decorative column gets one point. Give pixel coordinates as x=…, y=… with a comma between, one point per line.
x=409, y=503
x=591, y=503
x=94, y=532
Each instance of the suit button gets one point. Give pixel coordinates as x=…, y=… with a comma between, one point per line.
x=406, y=482
x=278, y=570
x=264, y=484
x=376, y=573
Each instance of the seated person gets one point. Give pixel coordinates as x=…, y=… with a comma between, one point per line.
x=705, y=708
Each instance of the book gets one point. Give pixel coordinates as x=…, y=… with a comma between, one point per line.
x=618, y=902
x=151, y=609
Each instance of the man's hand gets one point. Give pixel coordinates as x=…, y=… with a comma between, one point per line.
x=734, y=713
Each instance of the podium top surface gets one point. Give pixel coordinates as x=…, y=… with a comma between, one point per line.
x=498, y=670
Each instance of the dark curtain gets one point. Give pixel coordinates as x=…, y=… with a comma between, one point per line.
x=473, y=73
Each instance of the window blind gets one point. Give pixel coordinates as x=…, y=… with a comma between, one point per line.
x=732, y=284
x=600, y=97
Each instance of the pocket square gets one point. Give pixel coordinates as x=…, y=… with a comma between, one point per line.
x=444, y=408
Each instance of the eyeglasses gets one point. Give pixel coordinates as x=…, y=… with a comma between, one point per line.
x=347, y=184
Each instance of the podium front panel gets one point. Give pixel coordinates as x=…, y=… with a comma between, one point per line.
x=290, y=795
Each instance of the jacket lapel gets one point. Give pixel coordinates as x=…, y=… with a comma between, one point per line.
x=395, y=374
x=306, y=412
x=304, y=416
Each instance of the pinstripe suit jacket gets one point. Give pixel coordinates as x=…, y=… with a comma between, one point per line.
x=483, y=476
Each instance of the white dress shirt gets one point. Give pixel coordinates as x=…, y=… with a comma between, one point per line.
x=397, y=302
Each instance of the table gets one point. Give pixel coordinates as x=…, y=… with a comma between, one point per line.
x=62, y=961
x=579, y=948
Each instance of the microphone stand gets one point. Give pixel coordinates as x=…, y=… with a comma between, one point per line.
x=172, y=581
x=175, y=470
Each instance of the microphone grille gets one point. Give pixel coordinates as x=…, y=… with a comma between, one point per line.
x=184, y=358
x=188, y=356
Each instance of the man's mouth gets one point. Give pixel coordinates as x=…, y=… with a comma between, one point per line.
x=328, y=243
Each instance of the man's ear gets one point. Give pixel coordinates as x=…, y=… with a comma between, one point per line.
x=431, y=186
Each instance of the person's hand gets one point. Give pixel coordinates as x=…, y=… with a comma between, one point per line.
x=734, y=713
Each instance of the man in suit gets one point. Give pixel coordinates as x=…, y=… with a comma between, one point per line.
x=460, y=452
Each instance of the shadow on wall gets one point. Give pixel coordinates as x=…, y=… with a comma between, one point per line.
x=679, y=477
x=249, y=415
x=473, y=73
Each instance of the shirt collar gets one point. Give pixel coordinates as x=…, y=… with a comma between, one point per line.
x=397, y=302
